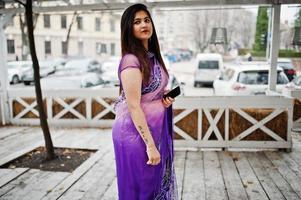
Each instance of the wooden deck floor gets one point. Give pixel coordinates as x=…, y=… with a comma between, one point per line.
x=200, y=174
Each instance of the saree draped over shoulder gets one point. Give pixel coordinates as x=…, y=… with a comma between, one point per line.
x=137, y=180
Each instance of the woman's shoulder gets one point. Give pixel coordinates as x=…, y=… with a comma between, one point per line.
x=130, y=59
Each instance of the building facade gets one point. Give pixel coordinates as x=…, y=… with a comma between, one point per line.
x=95, y=35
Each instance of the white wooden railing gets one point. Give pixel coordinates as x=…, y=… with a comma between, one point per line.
x=192, y=109
x=79, y=96
x=294, y=93
x=204, y=105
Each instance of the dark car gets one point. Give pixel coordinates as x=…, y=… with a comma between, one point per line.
x=288, y=68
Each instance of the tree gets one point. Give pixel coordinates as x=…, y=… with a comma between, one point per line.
x=298, y=19
x=24, y=38
x=74, y=17
x=201, y=29
x=261, y=29
x=36, y=69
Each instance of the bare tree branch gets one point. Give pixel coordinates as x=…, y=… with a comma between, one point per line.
x=20, y=2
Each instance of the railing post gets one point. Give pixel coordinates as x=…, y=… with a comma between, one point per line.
x=4, y=107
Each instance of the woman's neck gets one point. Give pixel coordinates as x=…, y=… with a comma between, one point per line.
x=145, y=44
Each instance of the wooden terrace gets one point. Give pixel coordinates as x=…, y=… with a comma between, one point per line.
x=201, y=174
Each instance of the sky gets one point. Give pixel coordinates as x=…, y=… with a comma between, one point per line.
x=287, y=12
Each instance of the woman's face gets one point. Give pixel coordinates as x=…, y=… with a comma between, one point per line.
x=143, y=28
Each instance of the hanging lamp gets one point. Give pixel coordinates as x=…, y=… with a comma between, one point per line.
x=219, y=34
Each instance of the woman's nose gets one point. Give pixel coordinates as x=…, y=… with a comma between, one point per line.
x=143, y=24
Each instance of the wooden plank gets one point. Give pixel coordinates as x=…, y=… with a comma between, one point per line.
x=37, y=191
x=286, y=172
x=84, y=139
x=291, y=163
x=111, y=193
x=102, y=185
x=277, y=178
x=179, y=163
x=214, y=183
x=28, y=137
x=37, y=187
x=94, y=183
x=14, y=141
x=296, y=156
x=7, y=175
x=100, y=138
x=234, y=186
x=20, y=182
x=266, y=181
x=194, y=184
x=61, y=188
x=17, y=151
x=249, y=179
x=8, y=131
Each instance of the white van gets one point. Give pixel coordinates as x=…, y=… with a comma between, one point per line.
x=208, y=67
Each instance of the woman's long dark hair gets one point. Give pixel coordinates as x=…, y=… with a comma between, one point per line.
x=130, y=44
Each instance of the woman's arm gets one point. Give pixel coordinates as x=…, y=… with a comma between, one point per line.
x=131, y=79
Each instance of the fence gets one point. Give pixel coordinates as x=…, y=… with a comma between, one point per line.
x=213, y=121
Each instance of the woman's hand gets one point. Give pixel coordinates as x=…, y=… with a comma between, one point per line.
x=168, y=100
x=153, y=155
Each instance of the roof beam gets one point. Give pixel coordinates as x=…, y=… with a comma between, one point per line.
x=153, y=4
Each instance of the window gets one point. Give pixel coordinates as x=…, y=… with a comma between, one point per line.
x=112, y=49
x=47, y=47
x=212, y=64
x=112, y=25
x=10, y=46
x=63, y=21
x=64, y=47
x=79, y=23
x=101, y=48
x=46, y=21
x=260, y=77
x=98, y=45
x=80, y=47
x=97, y=24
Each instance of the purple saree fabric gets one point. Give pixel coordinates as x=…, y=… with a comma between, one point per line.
x=137, y=180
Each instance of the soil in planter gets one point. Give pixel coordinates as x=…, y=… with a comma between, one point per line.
x=67, y=159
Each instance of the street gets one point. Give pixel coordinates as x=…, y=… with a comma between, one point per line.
x=182, y=70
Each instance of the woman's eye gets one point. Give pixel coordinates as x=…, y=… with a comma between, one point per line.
x=136, y=22
x=147, y=20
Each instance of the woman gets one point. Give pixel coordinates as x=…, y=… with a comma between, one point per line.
x=142, y=131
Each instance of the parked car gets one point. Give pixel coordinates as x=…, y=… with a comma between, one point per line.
x=288, y=68
x=16, y=70
x=207, y=67
x=46, y=68
x=110, y=74
x=173, y=82
x=79, y=73
x=247, y=79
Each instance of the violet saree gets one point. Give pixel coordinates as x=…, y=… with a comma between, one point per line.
x=135, y=179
